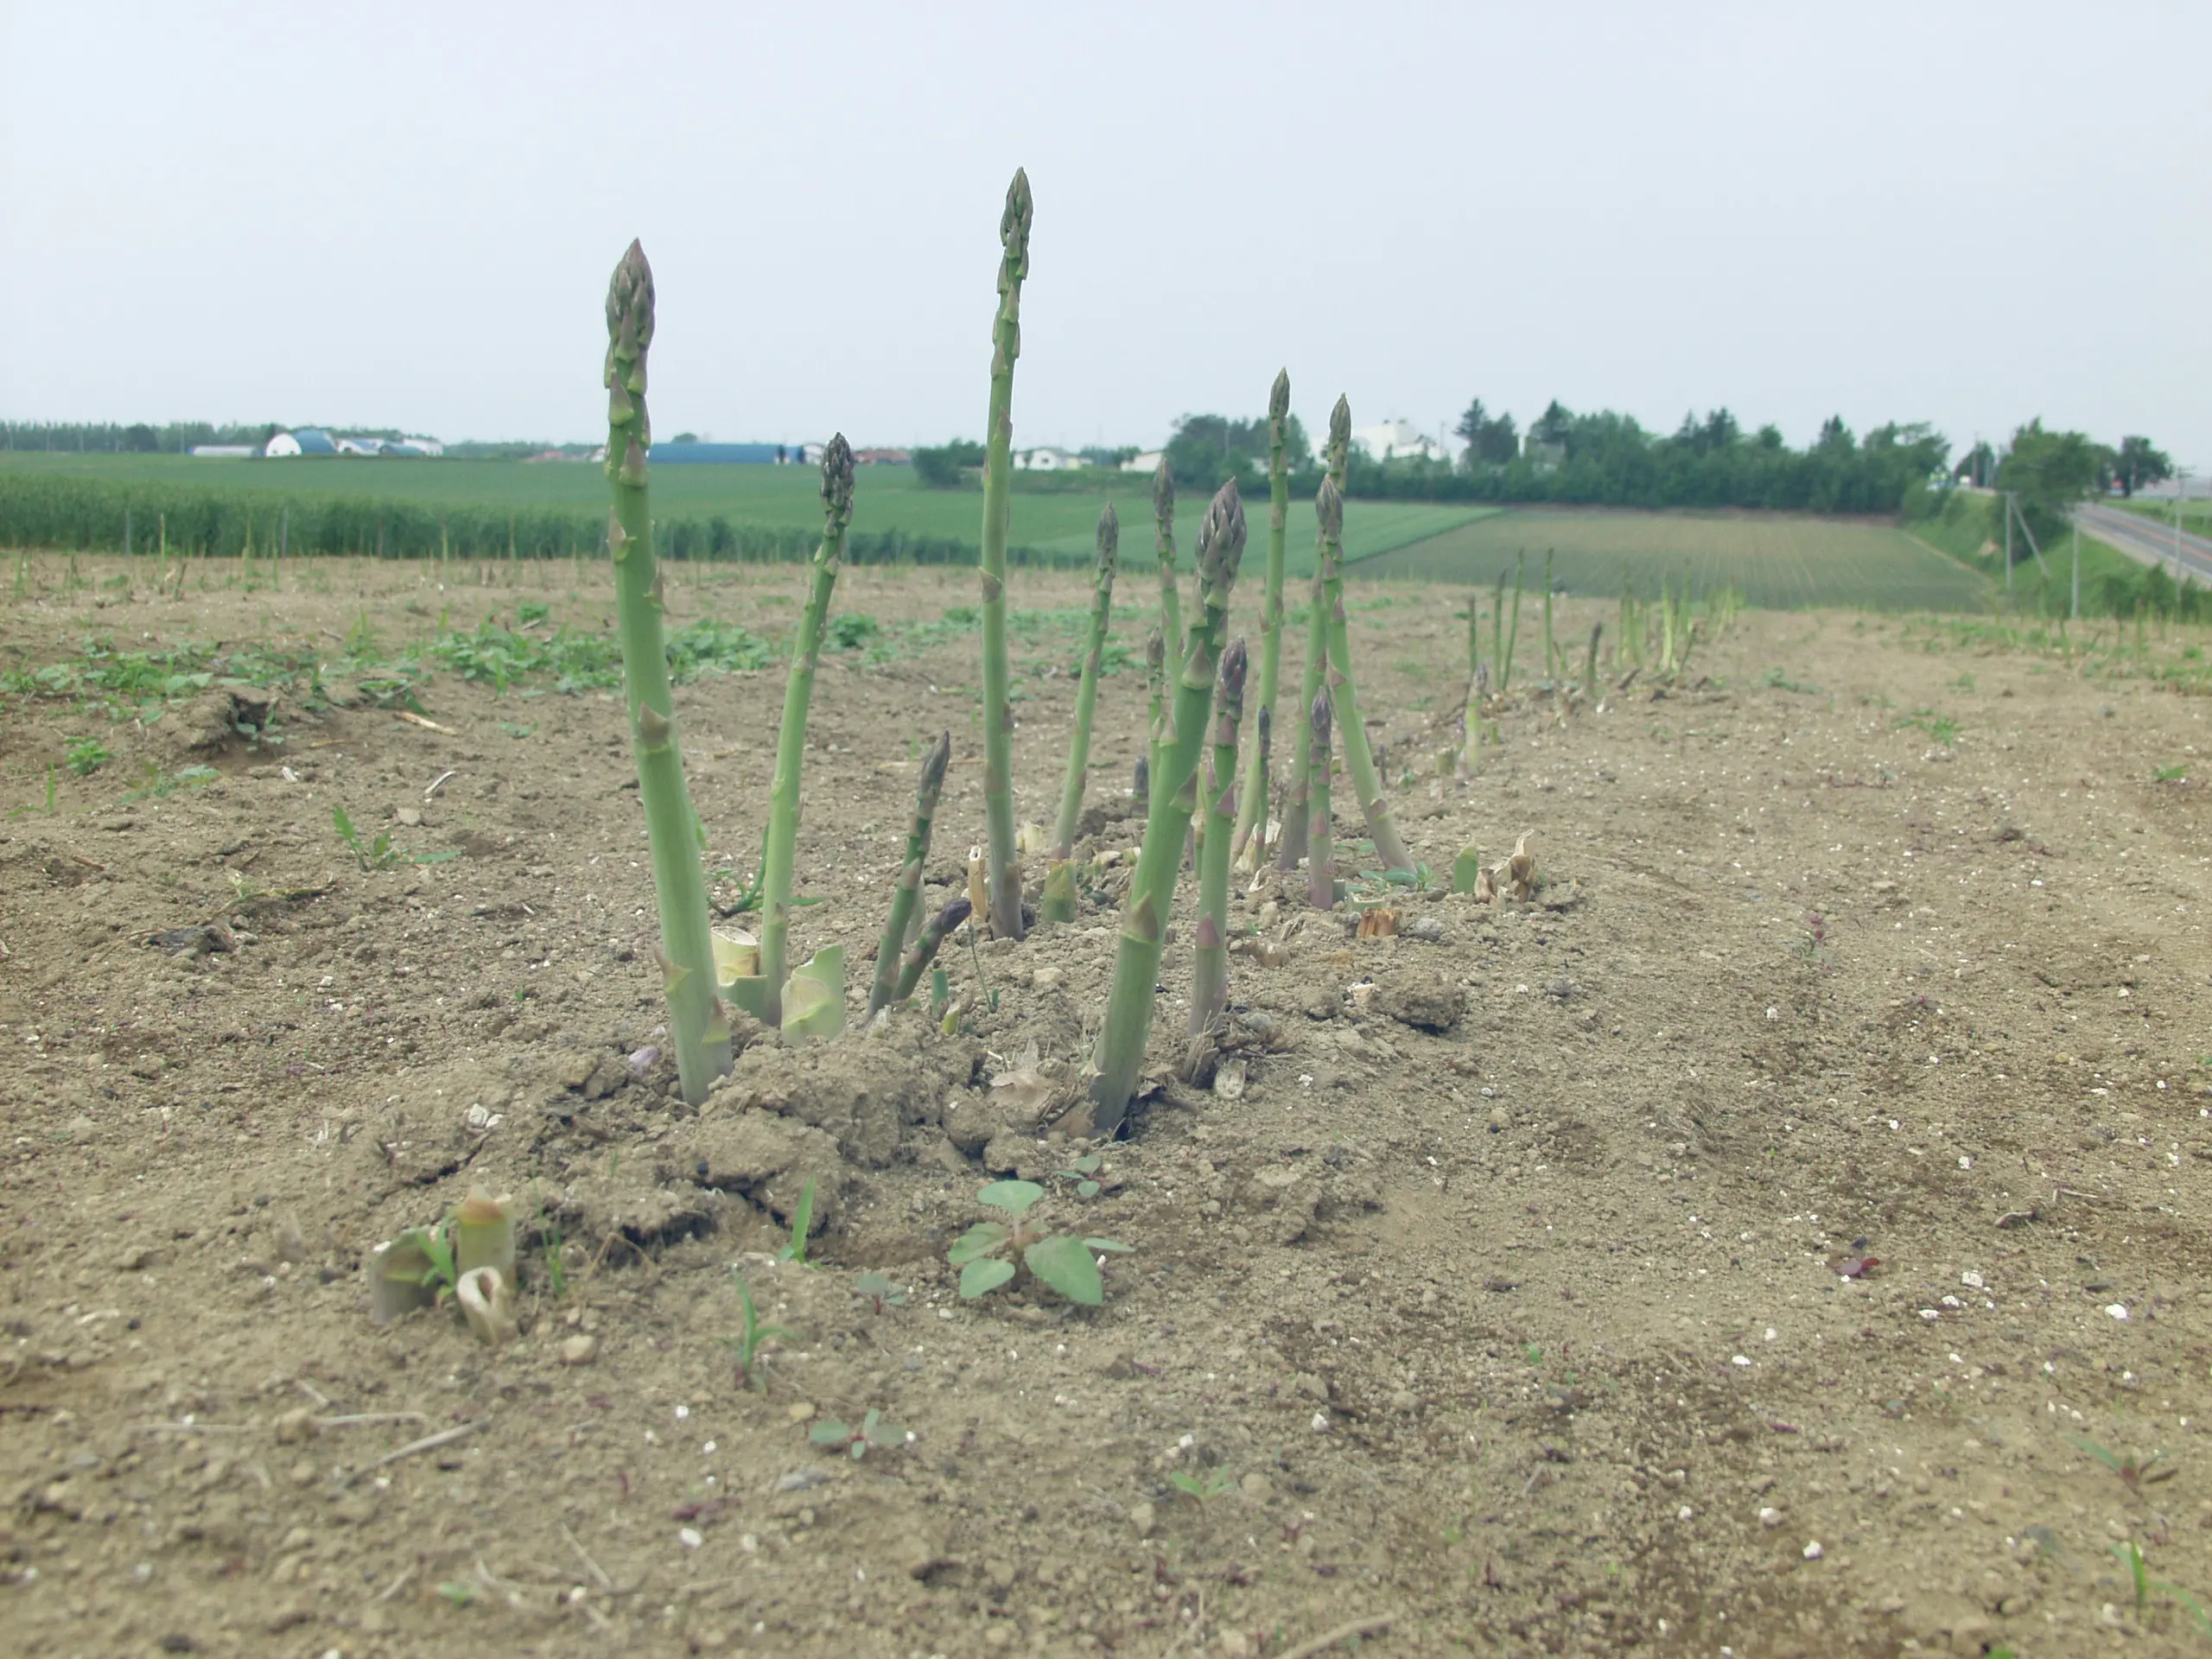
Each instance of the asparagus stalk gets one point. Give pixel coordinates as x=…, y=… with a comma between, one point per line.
x=1513, y=628
x=790, y=741
x=1320, y=853
x=1059, y=880
x=1163, y=541
x=997, y=468
x=1155, y=673
x=1174, y=798
x=1210, y=966
x=1295, y=815
x=1497, y=626
x=1590, y=664
x=905, y=895
x=1550, y=653
x=1253, y=808
x=924, y=949
x=698, y=1026
x=1260, y=819
x=1471, y=749
x=1344, y=696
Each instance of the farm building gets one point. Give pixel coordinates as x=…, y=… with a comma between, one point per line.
x=304, y=440
x=1397, y=440
x=1046, y=459
x=1146, y=461
x=223, y=451
x=881, y=457
x=670, y=452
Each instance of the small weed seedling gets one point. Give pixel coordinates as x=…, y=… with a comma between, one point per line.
x=876, y=1287
x=2134, y=1472
x=1941, y=727
x=1085, y=1174
x=748, y=1341
x=549, y=1248
x=2164, y=774
x=435, y=1243
x=2138, y=1574
x=1062, y=1261
x=1215, y=1483
x=379, y=854
x=87, y=755
x=802, y=1225
x=857, y=1438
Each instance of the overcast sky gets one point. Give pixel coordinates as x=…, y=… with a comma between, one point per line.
x=405, y=215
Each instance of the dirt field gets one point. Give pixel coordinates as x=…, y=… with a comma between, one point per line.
x=1792, y=1248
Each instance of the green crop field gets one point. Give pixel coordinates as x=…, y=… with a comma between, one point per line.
x=1778, y=561
x=73, y=500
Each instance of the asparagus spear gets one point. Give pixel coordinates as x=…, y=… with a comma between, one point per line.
x=790, y=741
x=998, y=468
x=1252, y=810
x=1337, y=457
x=1210, y=966
x=1471, y=751
x=1590, y=665
x=924, y=949
x=1174, y=798
x=1551, y=675
x=1059, y=880
x=1155, y=673
x=698, y=1026
x=1163, y=538
x=1320, y=853
x=1344, y=696
x=909, y=887
x=1513, y=629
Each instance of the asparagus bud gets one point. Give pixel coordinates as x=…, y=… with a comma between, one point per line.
x=907, y=891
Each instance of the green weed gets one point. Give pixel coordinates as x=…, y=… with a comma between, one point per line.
x=858, y=1439
x=802, y=1225
x=876, y=1287
x=1941, y=727
x=1062, y=1261
x=87, y=755
x=749, y=1340
x=1215, y=1483
x=379, y=852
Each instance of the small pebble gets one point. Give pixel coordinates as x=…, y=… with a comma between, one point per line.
x=1813, y=1551
x=1770, y=1517
x=1427, y=928
x=579, y=1349
x=1141, y=1517
x=689, y=1538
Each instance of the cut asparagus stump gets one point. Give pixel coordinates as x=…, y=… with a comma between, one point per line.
x=1297, y=804
x=1059, y=879
x=790, y=741
x=1252, y=809
x=1005, y=862
x=907, y=893
x=1210, y=965
x=1174, y=798
x=1344, y=696
x=698, y=1030
x=1320, y=850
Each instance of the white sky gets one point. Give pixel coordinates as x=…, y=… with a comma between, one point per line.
x=405, y=215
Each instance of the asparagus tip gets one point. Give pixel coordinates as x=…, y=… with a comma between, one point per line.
x=1014, y=222
x=1221, y=543
x=1109, y=536
x=1279, y=399
x=837, y=478
x=630, y=303
x=934, y=763
x=1155, y=650
x=1234, y=661
x=1163, y=491
x=1340, y=421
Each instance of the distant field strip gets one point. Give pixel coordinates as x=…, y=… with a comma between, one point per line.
x=1780, y=562
x=556, y=507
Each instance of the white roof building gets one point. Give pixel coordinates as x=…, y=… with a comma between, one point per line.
x=1397, y=440
x=1145, y=461
x=1046, y=459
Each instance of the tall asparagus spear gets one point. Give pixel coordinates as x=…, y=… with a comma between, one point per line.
x=1320, y=851
x=1471, y=749
x=1210, y=965
x=1513, y=628
x=1174, y=798
x=1163, y=542
x=1590, y=664
x=1551, y=666
x=698, y=1026
x=1337, y=457
x=1059, y=880
x=790, y=741
x=1005, y=866
x=1344, y=696
x=908, y=888
x=1252, y=809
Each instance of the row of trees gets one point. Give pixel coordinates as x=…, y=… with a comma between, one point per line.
x=171, y=437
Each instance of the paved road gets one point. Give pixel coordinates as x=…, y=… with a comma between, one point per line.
x=2147, y=540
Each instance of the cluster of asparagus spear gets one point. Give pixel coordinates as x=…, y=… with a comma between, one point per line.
x=1201, y=790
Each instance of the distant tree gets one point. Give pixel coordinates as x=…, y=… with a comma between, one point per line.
x=939, y=467
x=686, y=437
x=1769, y=437
x=1491, y=439
x=1835, y=435
x=2048, y=472
x=1553, y=425
x=1470, y=429
x=2137, y=462
x=141, y=440
x=1104, y=455
x=1208, y=449
x=1717, y=431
